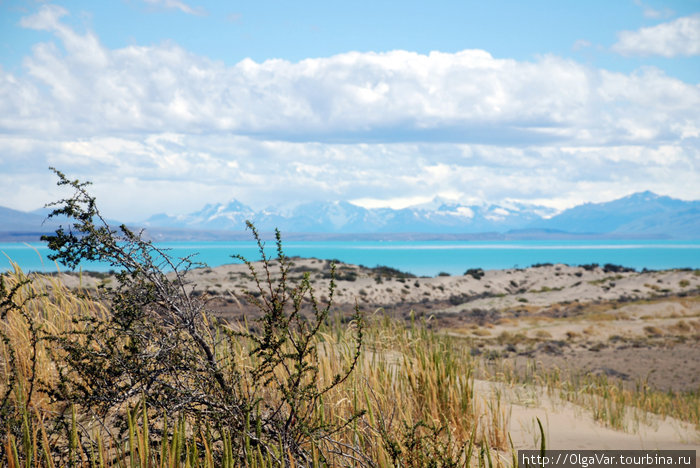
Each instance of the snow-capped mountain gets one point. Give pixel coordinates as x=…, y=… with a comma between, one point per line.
x=229, y=216
x=637, y=215
x=344, y=217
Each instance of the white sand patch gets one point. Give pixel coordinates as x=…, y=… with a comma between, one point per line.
x=568, y=426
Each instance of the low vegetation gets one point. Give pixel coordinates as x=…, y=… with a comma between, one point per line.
x=476, y=273
x=609, y=401
x=409, y=400
x=141, y=374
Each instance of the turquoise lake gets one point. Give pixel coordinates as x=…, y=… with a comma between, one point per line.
x=424, y=258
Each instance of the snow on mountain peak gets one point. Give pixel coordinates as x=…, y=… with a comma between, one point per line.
x=443, y=215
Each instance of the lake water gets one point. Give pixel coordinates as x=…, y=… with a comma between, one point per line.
x=424, y=258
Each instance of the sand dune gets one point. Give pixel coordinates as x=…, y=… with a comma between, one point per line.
x=629, y=326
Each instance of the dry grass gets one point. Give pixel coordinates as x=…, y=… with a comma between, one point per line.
x=653, y=331
x=415, y=385
x=608, y=400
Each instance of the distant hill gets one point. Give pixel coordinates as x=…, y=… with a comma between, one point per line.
x=23, y=227
x=640, y=215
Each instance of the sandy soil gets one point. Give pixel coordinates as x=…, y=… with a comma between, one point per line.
x=630, y=326
x=568, y=426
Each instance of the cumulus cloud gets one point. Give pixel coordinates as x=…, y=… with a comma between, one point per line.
x=178, y=173
x=468, y=96
x=179, y=130
x=680, y=37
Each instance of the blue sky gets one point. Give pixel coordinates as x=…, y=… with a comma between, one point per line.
x=167, y=105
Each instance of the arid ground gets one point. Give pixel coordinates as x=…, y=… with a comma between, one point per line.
x=634, y=328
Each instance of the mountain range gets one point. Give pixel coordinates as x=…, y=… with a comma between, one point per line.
x=440, y=216
x=640, y=215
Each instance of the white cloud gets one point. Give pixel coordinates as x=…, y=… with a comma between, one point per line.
x=177, y=5
x=581, y=44
x=46, y=19
x=394, y=203
x=650, y=12
x=234, y=17
x=392, y=96
x=170, y=130
x=680, y=37
x=180, y=173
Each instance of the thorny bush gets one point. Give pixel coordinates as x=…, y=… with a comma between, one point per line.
x=159, y=344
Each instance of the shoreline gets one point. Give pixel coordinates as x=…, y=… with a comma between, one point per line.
x=427, y=258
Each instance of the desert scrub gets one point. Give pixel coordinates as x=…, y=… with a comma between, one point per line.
x=545, y=289
x=653, y=331
x=543, y=334
x=476, y=273
x=143, y=375
x=415, y=385
x=157, y=342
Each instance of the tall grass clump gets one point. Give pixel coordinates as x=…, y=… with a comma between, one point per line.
x=156, y=342
x=415, y=387
x=610, y=401
x=142, y=374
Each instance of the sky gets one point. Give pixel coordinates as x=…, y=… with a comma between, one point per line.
x=167, y=105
